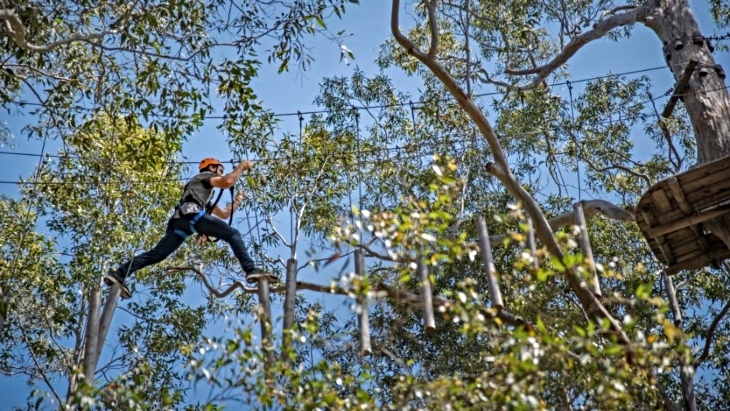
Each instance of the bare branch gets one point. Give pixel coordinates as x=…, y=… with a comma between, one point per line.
x=576, y=43
x=627, y=170
x=16, y=29
x=711, y=335
x=277, y=233
x=300, y=216
x=379, y=255
x=433, y=24
x=37, y=71
x=38, y=365
x=614, y=11
x=381, y=291
x=210, y=287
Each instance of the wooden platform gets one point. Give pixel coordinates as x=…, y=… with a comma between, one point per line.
x=671, y=213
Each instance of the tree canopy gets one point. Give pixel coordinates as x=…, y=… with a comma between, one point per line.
x=403, y=176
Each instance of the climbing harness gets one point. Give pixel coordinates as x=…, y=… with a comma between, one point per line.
x=188, y=205
x=209, y=209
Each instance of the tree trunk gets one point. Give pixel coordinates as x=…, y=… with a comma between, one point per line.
x=705, y=98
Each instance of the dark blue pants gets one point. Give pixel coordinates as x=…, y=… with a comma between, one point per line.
x=207, y=224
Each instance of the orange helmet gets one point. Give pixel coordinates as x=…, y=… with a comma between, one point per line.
x=207, y=162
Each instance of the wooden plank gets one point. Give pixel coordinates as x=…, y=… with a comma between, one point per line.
x=266, y=340
x=679, y=237
x=661, y=201
x=664, y=250
x=290, y=302
x=713, y=197
x=692, y=180
x=91, y=336
x=676, y=189
x=491, y=270
x=363, y=316
x=585, y=246
x=668, y=217
x=687, y=221
x=689, y=247
x=679, y=87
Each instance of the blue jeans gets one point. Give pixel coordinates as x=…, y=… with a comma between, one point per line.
x=207, y=224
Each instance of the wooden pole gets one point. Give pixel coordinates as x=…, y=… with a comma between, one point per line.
x=363, y=316
x=532, y=244
x=106, y=317
x=585, y=246
x=494, y=292
x=265, y=318
x=429, y=321
x=4, y=306
x=290, y=301
x=685, y=376
x=91, y=337
x=673, y=304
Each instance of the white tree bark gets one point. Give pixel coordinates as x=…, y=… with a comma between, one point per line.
x=705, y=97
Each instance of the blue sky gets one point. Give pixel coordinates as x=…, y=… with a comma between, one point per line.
x=292, y=92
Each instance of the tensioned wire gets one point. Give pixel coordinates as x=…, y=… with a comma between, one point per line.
x=400, y=104
x=397, y=148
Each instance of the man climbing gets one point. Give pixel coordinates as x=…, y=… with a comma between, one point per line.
x=190, y=216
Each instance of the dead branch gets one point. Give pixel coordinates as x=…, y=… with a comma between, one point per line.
x=16, y=30
x=213, y=290
x=380, y=292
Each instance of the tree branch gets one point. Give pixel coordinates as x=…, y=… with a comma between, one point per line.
x=37, y=364
x=711, y=334
x=576, y=43
x=277, y=233
x=433, y=25
x=16, y=29
x=379, y=292
x=627, y=170
x=590, y=208
x=502, y=171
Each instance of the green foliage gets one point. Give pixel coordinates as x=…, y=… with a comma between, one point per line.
x=402, y=180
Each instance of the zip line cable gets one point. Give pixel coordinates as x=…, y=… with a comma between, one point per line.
x=403, y=104
x=379, y=149
x=397, y=149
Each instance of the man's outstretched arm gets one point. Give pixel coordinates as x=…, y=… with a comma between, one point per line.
x=228, y=180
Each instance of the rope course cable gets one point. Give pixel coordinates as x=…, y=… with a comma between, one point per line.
x=403, y=104
x=398, y=147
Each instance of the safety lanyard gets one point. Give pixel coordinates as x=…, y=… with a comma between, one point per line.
x=209, y=208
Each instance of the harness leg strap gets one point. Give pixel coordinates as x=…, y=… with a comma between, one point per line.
x=195, y=219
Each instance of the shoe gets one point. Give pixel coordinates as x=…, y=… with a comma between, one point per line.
x=254, y=275
x=115, y=277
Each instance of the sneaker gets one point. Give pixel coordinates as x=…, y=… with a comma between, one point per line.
x=254, y=275
x=115, y=277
